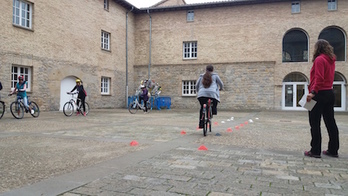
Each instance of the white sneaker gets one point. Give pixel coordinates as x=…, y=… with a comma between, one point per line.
x=32, y=111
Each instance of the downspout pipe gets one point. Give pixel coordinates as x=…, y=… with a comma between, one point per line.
x=149, y=75
x=127, y=55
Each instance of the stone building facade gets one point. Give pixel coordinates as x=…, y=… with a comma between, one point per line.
x=247, y=44
x=246, y=41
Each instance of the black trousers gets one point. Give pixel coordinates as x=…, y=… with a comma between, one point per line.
x=324, y=107
x=204, y=100
x=82, y=102
x=145, y=102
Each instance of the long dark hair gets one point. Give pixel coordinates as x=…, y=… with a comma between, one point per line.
x=207, y=79
x=323, y=47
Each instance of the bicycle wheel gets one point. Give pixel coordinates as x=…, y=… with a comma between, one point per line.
x=68, y=109
x=17, y=110
x=2, y=109
x=204, y=124
x=209, y=118
x=36, y=109
x=133, y=107
x=87, y=108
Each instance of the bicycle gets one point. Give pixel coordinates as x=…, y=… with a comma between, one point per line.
x=17, y=108
x=2, y=108
x=207, y=116
x=135, y=105
x=69, y=107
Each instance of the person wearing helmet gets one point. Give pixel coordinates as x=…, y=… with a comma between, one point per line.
x=143, y=96
x=21, y=88
x=80, y=96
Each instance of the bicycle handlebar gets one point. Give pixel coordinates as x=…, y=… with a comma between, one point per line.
x=72, y=93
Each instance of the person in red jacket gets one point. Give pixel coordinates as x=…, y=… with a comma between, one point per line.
x=320, y=87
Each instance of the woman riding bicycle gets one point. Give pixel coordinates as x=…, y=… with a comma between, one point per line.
x=207, y=86
x=21, y=87
x=81, y=96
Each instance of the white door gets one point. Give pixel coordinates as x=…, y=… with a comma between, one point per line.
x=66, y=85
x=292, y=94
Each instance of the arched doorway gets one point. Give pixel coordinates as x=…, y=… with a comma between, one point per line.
x=66, y=85
x=340, y=92
x=295, y=85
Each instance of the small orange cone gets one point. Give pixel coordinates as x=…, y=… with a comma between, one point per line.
x=197, y=128
x=202, y=147
x=216, y=123
x=183, y=132
x=236, y=127
x=241, y=125
x=134, y=143
x=229, y=129
x=246, y=122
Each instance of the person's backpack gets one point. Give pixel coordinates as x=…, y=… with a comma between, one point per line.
x=0, y=86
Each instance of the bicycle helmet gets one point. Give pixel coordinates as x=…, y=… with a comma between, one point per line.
x=78, y=80
x=142, y=86
x=20, y=77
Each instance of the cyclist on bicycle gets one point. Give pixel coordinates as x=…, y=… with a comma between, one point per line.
x=81, y=96
x=208, y=85
x=21, y=87
x=143, y=96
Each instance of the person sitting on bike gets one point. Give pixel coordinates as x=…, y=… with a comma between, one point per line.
x=21, y=87
x=81, y=96
x=207, y=87
x=143, y=96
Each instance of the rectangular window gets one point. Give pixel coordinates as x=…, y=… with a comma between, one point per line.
x=189, y=88
x=105, y=86
x=106, y=4
x=332, y=5
x=21, y=71
x=190, y=50
x=295, y=7
x=190, y=15
x=22, y=13
x=105, y=40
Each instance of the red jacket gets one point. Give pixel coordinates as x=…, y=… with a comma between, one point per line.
x=322, y=73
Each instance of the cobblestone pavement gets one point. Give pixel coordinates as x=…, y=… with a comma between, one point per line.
x=247, y=153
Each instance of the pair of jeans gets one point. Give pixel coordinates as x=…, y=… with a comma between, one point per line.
x=204, y=100
x=324, y=107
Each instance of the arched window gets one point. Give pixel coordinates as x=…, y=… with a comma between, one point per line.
x=295, y=46
x=337, y=40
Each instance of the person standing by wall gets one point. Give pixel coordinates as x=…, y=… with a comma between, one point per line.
x=320, y=87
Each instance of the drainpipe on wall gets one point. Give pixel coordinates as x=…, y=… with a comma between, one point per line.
x=148, y=12
x=127, y=55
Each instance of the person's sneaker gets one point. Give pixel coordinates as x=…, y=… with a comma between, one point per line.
x=327, y=153
x=310, y=154
x=77, y=113
x=84, y=114
x=32, y=111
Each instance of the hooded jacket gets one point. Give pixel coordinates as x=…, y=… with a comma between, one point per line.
x=322, y=73
x=213, y=90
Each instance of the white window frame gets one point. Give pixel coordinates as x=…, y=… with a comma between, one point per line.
x=22, y=13
x=105, y=85
x=295, y=7
x=106, y=4
x=23, y=71
x=189, y=88
x=105, y=40
x=190, y=15
x=332, y=5
x=190, y=50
